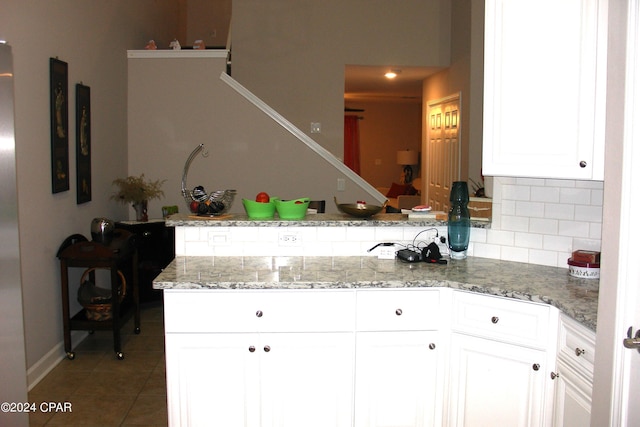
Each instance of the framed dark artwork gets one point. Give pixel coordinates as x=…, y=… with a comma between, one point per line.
x=83, y=143
x=58, y=76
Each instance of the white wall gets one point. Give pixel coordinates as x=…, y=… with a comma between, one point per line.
x=92, y=37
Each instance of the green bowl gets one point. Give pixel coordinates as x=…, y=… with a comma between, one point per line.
x=257, y=210
x=292, y=209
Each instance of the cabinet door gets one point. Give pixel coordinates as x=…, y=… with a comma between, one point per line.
x=544, y=93
x=573, y=398
x=306, y=379
x=495, y=384
x=398, y=378
x=262, y=380
x=212, y=380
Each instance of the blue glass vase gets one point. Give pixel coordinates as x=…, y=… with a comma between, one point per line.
x=459, y=222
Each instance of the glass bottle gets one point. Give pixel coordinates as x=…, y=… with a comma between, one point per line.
x=459, y=222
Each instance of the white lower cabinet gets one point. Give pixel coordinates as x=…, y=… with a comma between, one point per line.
x=502, y=351
x=270, y=380
x=399, y=364
x=373, y=358
x=574, y=374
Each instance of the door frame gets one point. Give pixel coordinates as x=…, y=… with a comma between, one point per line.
x=615, y=388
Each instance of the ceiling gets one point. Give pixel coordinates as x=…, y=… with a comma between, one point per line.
x=367, y=82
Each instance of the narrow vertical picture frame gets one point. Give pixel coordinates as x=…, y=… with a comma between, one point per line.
x=59, y=88
x=83, y=143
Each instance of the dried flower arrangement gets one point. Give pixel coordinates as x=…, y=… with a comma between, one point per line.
x=135, y=189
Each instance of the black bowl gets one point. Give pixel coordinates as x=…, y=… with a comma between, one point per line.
x=358, y=210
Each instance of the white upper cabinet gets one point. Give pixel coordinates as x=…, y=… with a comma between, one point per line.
x=544, y=88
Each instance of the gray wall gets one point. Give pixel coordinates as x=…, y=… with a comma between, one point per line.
x=293, y=57
x=293, y=54
x=177, y=103
x=92, y=37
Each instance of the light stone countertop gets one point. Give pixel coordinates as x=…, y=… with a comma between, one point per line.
x=578, y=298
x=311, y=220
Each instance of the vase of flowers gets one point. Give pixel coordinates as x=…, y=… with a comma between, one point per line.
x=137, y=191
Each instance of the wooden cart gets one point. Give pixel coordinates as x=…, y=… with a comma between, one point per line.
x=120, y=254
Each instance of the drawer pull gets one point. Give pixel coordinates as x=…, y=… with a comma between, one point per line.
x=579, y=351
x=267, y=349
x=495, y=319
x=251, y=349
x=398, y=312
x=536, y=366
x=259, y=313
x=554, y=375
x=432, y=346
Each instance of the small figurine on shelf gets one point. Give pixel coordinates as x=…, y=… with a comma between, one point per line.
x=175, y=45
x=198, y=45
x=151, y=45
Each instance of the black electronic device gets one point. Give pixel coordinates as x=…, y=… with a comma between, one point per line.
x=407, y=255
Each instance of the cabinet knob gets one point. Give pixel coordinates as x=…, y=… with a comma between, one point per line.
x=554, y=375
x=146, y=233
x=267, y=349
x=583, y=164
x=579, y=351
x=495, y=319
x=259, y=313
x=251, y=349
x=398, y=312
x=536, y=367
x=432, y=346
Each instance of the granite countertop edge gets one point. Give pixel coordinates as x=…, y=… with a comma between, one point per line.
x=312, y=220
x=577, y=298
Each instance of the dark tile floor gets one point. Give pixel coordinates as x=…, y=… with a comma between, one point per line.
x=104, y=391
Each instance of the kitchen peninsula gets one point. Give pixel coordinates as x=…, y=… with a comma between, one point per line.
x=314, y=334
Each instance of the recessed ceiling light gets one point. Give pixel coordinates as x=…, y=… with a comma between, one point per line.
x=391, y=74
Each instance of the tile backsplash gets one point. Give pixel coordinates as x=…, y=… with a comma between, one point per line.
x=537, y=221
x=541, y=221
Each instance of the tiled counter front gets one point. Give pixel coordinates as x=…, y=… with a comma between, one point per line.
x=316, y=235
x=578, y=298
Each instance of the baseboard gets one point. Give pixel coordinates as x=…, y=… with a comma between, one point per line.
x=42, y=367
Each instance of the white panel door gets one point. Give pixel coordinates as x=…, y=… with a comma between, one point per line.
x=442, y=150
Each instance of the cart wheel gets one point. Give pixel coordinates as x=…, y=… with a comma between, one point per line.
x=71, y=355
x=119, y=355
x=137, y=331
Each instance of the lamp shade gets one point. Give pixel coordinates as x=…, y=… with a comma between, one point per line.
x=407, y=157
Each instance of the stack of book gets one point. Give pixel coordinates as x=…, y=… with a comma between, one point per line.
x=426, y=214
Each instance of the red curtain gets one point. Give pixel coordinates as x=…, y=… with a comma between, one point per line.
x=352, y=143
